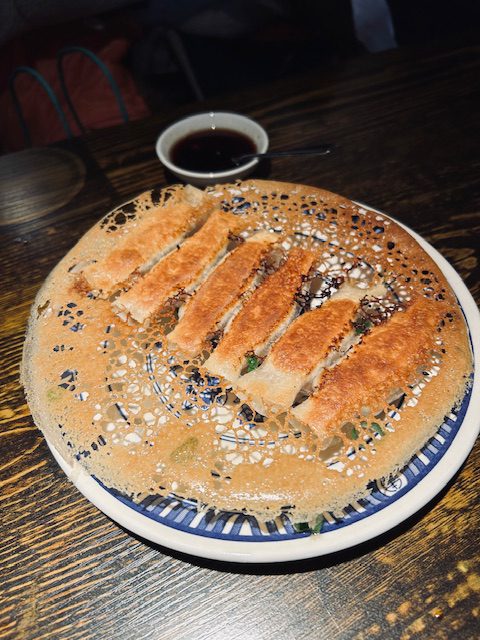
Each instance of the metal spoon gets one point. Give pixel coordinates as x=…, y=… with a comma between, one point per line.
x=322, y=150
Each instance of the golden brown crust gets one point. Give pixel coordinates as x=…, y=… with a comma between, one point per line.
x=387, y=358
x=219, y=294
x=79, y=369
x=180, y=269
x=263, y=314
x=303, y=347
x=165, y=226
x=311, y=337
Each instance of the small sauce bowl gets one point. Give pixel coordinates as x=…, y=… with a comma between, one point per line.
x=206, y=122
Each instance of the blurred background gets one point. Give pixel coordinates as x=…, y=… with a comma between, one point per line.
x=70, y=67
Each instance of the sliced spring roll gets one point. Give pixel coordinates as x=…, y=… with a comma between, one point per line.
x=181, y=270
x=313, y=341
x=217, y=299
x=386, y=358
x=299, y=354
x=151, y=238
x=263, y=318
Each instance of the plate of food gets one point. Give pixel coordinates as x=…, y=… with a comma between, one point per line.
x=255, y=372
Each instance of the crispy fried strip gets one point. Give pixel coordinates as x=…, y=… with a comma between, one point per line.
x=216, y=300
x=150, y=239
x=180, y=270
x=308, y=345
x=315, y=340
x=263, y=317
x=385, y=359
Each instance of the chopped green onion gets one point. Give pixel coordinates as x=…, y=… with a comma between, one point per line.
x=318, y=524
x=350, y=431
x=362, y=325
x=185, y=452
x=301, y=527
x=378, y=429
x=310, y=527
x=252, y=363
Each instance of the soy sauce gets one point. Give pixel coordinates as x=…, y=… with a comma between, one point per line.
x=211, y=150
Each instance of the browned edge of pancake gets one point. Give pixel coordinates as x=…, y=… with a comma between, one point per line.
x=330, y=492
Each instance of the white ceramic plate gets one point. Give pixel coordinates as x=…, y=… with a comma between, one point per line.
x=238, y=538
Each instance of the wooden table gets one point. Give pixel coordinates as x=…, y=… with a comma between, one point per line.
x=405, y=125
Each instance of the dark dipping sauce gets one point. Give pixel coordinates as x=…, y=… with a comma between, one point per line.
x=210, y=150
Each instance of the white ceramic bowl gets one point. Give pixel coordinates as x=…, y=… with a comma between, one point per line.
x=205, y=121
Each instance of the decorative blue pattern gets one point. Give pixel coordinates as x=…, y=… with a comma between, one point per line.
x=183, y=514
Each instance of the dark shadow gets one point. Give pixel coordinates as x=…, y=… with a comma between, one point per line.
x=261, y=171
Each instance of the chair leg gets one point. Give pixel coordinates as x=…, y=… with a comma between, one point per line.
x=178, y=49
x=103, y=68
x=51, y=95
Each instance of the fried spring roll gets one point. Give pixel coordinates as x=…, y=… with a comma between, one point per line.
x=181, y=270
x=313, y=341
x=151, y=238
x=306, y=347
x=264, y=317
x=386, y=358
x=217, y=299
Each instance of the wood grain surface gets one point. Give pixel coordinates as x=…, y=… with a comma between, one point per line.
x=406, y=128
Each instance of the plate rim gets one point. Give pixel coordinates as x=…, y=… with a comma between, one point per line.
x=329, y=542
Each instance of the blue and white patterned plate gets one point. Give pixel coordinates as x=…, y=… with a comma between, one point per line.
x=235, y=537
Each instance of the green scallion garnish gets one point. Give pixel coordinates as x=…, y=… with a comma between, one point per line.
x=310, y=527
x=378, y=429
x=318, y=524
x=301, y=527
x=362, y=325
x=252, y=362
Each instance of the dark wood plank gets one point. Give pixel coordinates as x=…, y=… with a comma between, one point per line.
x=406, y=127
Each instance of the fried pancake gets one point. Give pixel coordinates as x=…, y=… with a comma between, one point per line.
x=307, y=345
x=149, y=240
x=386, y=360
x=120, y=397
x=314, y=341
x=264, y=316
x=180, y=270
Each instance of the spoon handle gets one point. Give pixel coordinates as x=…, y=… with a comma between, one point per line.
x=322, y=150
